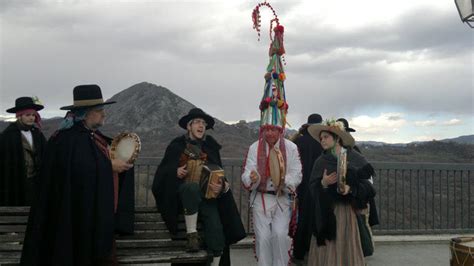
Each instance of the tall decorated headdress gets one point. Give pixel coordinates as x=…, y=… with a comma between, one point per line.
x=273, y=106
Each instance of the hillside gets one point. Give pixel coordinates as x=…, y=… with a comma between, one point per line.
x=153, y=112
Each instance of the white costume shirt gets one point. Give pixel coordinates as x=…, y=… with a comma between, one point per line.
x=272, y=214
x=293, y=174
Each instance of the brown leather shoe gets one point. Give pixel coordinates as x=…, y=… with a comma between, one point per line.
x=193, y=242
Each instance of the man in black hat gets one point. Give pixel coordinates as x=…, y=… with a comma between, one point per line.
x=85, y=197
x=348, y=130
x=21, y=148
x=310, y=150
x=176, y=190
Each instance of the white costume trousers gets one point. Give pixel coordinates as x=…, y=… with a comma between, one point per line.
x=271, y=220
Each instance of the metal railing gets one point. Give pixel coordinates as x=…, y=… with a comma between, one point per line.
x=412, y=198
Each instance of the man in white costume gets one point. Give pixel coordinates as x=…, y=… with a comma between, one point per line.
x=272, y=210
x=272, y=170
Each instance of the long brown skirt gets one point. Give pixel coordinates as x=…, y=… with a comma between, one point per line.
x=346, y=249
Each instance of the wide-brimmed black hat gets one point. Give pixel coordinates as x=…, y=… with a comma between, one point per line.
x=314, y=119
x=346, y=125
x=23, y=103
x=196, y=113
x=86, y=96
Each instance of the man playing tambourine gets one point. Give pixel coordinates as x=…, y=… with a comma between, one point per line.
x=177, y=189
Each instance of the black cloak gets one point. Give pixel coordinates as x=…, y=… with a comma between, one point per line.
x=358, y=173
x=13, y=187
x=74, y=221
x=310, y=150
x=165, y=191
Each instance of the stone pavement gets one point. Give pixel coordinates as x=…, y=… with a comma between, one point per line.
x=386, y=254
x=422, y=250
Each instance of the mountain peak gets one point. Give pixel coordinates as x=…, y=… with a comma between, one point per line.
x=146, y=106
x=153, y=113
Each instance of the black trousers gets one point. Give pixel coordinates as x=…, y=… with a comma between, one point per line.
x=192, y=200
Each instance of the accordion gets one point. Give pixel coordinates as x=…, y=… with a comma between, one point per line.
x=211, y=173
x=204, y=174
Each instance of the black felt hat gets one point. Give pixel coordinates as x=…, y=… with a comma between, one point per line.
x=314, y=119
x=23, y=103
x=86, y=96
x=346, y=125
x=196, y=113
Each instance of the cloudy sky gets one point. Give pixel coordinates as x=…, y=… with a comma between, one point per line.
x=400, y=71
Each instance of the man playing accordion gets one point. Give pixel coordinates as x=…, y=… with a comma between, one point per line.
x=190, y=180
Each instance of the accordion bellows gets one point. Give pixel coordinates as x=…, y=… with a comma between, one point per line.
x=194, y=168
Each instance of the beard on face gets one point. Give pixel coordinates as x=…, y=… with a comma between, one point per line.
x=97, y=125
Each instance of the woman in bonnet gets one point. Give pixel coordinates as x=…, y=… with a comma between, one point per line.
x=336, y=239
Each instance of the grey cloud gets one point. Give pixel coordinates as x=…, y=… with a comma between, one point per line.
x=394, y=118
x=50, y=48
x=437, y=36
x=8, y=6
x=440, y=31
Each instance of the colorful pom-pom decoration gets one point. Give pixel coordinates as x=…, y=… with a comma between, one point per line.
x=273, y=106
x=281, y=104
x=279, y=28
x=282, y=76
x=265, y=103
x=268, y=76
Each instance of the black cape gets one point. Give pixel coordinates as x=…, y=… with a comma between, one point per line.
x=165, y=191
x=373, y=215
x=74, y=221
x=358, y=173
x=13, y=187
x=310, y=150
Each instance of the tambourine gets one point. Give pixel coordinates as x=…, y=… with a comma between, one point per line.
x=341, y=170
x=277, y=168
x=126, y=147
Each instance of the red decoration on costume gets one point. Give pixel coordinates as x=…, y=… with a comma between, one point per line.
x=103, y=147
x=282, y=76
x=262, y=156
x=279, y=28
x=265, y=103
x=256, y=18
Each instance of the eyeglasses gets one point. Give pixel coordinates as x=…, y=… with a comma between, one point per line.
x=200, y=121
